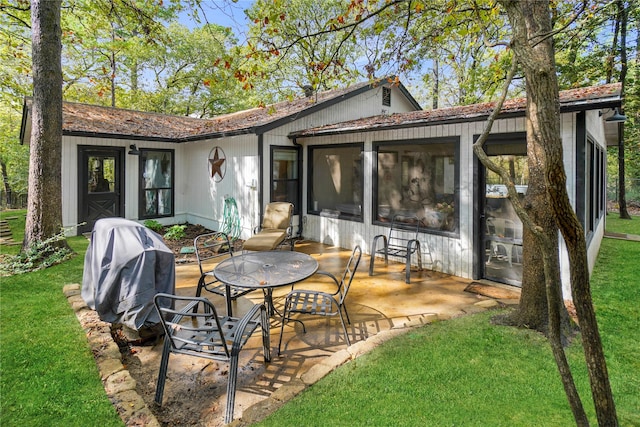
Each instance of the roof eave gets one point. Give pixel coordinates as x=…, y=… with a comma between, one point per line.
x=405, y=125
x=565, y=107
x=410, y=97
x=218, y=135
x=87, y=134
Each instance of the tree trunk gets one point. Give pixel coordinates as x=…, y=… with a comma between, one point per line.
x=533, y=310
x=134, y=77
x=530, y=22
x=44, y=206
x=622, y=188
x=611, y=58
x=112, y=78
x=112, y=61
x=7, y=186
x=436, y=83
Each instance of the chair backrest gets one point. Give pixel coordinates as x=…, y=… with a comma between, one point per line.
x=349, y=272
x=510, y=229
x=277, y=215
x=401, y=232
x=194, y=328
x=491, y=227
x=210, y=246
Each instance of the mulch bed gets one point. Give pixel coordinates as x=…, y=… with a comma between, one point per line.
x=183, y=248
x=191, y=231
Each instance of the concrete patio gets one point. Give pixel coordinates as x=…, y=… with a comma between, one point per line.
x=380, y=307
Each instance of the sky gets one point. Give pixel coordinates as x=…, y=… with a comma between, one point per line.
x=222, y=12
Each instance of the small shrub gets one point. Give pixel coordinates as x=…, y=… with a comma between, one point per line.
x=37, y=256
x=154, y=225
x=175, y=232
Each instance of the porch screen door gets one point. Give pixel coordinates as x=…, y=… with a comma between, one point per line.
x=501, y=226
x=99, y=184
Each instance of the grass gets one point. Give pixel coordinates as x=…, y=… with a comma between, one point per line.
x=463, y=372
x=16, y=220
x=468, y=372
x=49, y=376
x=617, y=225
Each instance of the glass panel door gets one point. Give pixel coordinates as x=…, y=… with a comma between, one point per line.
x=503, y=228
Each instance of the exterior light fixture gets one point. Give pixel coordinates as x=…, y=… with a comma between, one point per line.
x=616, y=117
x=134, y=150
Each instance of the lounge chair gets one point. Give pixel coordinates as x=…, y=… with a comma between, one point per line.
x=275, y=230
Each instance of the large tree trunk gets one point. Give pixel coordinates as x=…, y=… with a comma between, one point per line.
x=531, y=24
x=44, y=206
x=533, y=310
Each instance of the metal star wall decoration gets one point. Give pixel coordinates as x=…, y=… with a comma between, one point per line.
x=217, y=164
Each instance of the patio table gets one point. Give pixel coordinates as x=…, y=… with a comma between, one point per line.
x=266, y=270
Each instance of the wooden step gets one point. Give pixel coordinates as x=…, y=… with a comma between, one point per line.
x=5, y=230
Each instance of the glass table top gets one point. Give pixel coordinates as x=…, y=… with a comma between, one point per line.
x=266, y=269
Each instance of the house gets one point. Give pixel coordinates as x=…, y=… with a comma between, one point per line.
x=347, y=159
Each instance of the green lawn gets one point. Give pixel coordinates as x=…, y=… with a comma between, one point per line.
x=463, y=372
x=617, y=225
x=467, y=372
x=48, y=376
x=16, y=219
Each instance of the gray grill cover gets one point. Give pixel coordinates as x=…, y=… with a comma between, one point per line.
x=126, y=264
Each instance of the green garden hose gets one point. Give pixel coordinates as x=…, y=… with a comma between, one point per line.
x=231, y=222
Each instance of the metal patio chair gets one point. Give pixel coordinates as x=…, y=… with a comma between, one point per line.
x=402, y=241
x=319, y=303
x=197, y=330
x=210, y=248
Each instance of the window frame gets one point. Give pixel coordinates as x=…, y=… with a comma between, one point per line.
x=594, y=188
x=386, y=96
x=141, y=187
x=337, y=214
x=387, y=147
x=272, y=180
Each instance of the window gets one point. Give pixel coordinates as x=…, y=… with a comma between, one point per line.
x=336, y=181
x=156, y=183
x=417, y=179
x=386, y=96
x=590, y=186
x=102, y=170
x=285, y=170
x=594, y=185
